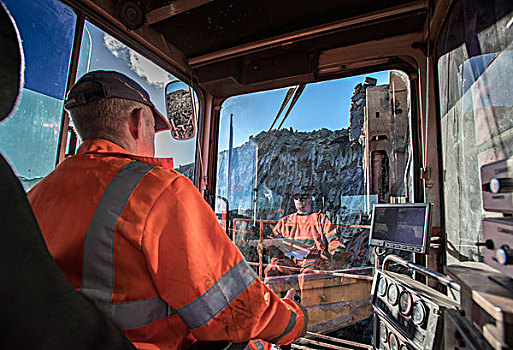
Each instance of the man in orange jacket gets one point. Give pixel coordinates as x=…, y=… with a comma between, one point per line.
x=311, y=240
x=137, y=238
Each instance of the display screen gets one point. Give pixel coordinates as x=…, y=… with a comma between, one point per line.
x=401, y=226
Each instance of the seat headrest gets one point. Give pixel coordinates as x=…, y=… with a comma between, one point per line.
x=11, y=64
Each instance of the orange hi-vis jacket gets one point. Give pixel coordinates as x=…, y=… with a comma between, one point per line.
x=139, y=241
x=314, y=230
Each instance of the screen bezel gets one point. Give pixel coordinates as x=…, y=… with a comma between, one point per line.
x=408, y=247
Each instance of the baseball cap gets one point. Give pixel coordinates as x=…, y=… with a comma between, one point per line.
x=302, y=191
x=108, y=84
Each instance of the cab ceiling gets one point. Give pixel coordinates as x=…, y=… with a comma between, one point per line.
x=232, y=47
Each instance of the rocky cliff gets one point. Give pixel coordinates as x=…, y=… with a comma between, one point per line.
x=325, y=161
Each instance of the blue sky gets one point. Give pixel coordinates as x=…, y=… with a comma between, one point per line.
x=321, y=105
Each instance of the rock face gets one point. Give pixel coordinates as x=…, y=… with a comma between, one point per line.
x=326, y=161
x=358, y=101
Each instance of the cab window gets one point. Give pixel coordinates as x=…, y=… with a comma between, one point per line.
x=338, y=147
x=29, y=139
x=474, y=53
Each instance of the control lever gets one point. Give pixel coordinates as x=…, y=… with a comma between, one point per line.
x=422, y=270
x=488, y=244
x=503, y=255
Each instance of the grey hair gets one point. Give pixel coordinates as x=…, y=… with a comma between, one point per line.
x=104, y=118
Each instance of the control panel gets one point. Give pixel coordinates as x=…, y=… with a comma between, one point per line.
x=497, y=186
x=485, y=318
x=498, y=244
x=409, y=314
x=387, y=337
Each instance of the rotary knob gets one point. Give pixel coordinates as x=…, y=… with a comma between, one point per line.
x=504, y=255
x=500, y=185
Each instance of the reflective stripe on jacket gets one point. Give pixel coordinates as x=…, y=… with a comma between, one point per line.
x=151, y=254
x=98, y=269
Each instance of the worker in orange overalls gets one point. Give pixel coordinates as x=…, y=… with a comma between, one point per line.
x=313, y=243
x=138, y=240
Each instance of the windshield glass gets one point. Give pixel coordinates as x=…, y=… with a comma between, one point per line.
x=29, y=139
x=475, y=53
x=295, y=189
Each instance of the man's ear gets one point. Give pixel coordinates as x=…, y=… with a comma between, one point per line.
x=135, y=123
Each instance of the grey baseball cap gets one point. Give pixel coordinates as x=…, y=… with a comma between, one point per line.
x=108, y=84
x=302, y=191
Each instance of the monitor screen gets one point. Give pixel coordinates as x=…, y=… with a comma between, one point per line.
x=401, y=226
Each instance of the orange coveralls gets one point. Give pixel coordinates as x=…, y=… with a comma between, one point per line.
x=314, y=230
x=164, y=272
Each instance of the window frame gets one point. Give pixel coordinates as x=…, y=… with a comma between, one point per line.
x=67, y=145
